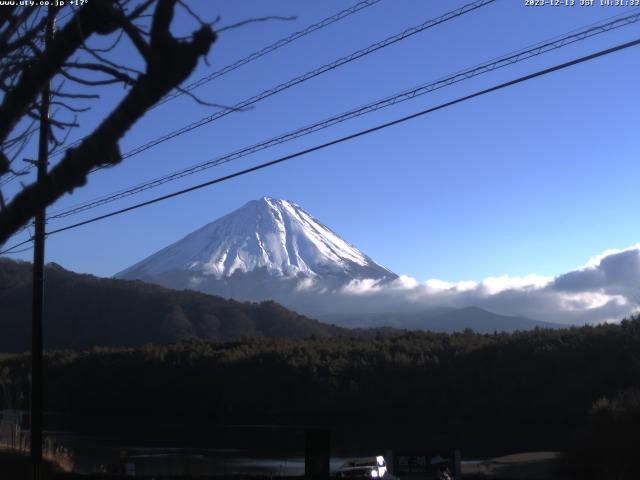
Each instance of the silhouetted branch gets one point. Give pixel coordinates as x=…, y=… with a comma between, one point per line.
x=94, y=18
x=117, y=75
x=168, y=63
x=253, y=20
x=209, y=104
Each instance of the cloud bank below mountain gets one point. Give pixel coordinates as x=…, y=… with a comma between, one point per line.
x=605, y=289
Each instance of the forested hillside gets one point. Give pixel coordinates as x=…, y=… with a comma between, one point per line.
x=83, y=311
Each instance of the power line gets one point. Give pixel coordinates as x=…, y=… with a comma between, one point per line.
x=12, y=248
x=268, y=49
x=308, y=76
x=327, y=21
x=229, y=68
x=361, y=133
x=261, y=166
x=30, y=247
x=254, y=56
x=312, y=74
x=496, y=63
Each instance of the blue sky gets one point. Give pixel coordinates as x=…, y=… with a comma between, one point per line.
x=537, y=178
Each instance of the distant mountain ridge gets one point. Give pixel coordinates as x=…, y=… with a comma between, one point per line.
x=442, y=319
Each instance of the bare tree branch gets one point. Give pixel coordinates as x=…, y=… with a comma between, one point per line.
x=252, y=20
x=169, y=63
x=117, y=75
x=139, y=10
x=209, y=104
x=94, y=17
x=69, y=107
x=108, y=48
x=57, y=143
x=76, y=95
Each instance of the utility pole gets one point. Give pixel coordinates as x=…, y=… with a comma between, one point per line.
x=38, y=277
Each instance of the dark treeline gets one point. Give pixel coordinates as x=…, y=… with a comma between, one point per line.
x=491, y=393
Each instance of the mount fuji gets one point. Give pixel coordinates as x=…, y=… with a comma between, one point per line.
x=267, y=249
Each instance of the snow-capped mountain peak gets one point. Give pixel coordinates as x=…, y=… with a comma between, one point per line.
x=269, y=235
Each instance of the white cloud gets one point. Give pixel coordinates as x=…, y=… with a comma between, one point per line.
x=606, y=288
x=306, y=283
x=595, y=260
x=404, y=281
x=435, y=285
x=493, y=285
x=586, y=300
x=363, y=286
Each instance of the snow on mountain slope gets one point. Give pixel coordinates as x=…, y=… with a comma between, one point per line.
x=276, y=236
